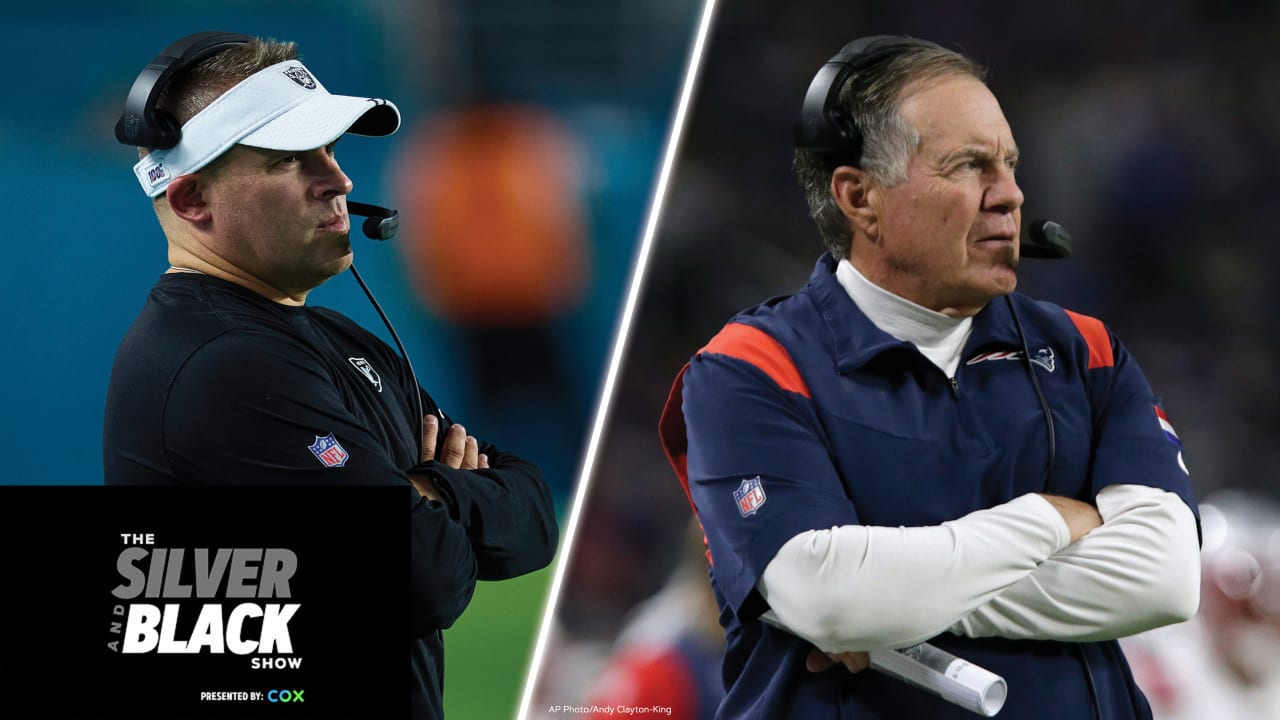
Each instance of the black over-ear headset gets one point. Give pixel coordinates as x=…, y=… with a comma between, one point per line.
x=826, y=128
x=141, y=124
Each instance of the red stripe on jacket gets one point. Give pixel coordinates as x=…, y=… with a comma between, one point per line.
x=745, y=343
x=1096, y=337
x=759, y=349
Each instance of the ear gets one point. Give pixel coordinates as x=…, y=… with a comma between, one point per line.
x=187, y=199
x=854, y=192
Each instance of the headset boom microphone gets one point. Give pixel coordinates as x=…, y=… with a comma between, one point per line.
x=380, y=223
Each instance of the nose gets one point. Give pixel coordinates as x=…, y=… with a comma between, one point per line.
x=1003, y=194
x=328, y=178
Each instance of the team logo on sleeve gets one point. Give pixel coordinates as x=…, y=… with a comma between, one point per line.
x=367, y=371
x=749, y=496
x=1171, y=436
x=328, y=451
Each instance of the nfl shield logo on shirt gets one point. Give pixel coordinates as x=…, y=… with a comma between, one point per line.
x=328, y=451
x=750, y=496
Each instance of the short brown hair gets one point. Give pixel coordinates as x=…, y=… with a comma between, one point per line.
x=192, y=90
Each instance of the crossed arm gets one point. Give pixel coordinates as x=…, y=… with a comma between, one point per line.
x=499, y=499
x=254, y=428
x=1038, y=567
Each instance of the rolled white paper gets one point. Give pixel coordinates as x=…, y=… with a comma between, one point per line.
x=945, y=675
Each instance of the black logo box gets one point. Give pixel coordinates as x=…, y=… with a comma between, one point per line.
x=59, y=548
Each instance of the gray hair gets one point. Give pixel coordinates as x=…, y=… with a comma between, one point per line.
x=871, y=98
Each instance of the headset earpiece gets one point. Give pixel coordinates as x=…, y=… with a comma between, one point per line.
x=141, y=124
x=824, y=127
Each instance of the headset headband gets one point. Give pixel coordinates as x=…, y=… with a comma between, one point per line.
x=826, y=128
x=141, y=124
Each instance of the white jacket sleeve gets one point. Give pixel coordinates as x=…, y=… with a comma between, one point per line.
x=857, y=587
x=1140, y=570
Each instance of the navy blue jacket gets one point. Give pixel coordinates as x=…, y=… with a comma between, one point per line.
x=835, y=422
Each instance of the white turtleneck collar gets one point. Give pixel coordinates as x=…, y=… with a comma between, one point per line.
x=938, y=337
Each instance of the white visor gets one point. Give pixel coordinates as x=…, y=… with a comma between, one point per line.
x=282, y=107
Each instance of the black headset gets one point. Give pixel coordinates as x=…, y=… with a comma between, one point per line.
x=826, y=128
x=141, y=124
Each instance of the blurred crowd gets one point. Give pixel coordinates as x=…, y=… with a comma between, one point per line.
x=1150, y=130
x=1225, y=662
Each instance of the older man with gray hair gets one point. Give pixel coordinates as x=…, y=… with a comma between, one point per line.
x=907, y=450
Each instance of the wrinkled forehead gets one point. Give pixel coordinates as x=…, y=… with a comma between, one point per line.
x=956, y=109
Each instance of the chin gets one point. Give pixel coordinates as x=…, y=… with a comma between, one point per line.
x=1006, y=285
x=336, y=266
x=975, y=295
x=999, y=279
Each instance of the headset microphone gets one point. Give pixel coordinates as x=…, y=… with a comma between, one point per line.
x=1046, y=240
x=380, y=223
x=1049, y=241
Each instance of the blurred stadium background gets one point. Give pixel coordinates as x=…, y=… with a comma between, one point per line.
x=1151, y=130
x=565, y=104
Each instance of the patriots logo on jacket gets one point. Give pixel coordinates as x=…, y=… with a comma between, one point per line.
x=1042, y=357
x=749, y=496
x=328, y=451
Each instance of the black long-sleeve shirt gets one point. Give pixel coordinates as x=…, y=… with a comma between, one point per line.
x=214, y=384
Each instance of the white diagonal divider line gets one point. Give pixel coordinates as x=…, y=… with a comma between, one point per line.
x=619, y=348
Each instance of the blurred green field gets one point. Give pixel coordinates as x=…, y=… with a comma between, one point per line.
x=486, y=654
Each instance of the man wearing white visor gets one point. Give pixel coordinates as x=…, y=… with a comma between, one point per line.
x=227, y=376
